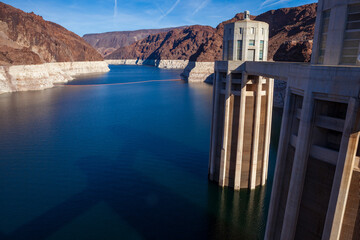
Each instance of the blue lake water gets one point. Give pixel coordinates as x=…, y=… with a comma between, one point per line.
x=119, y=161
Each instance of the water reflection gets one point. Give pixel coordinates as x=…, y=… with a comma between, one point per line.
x=236, y=214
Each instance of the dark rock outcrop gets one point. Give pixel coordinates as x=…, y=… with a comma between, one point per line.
x=204, y=43
x=26, y=38
x=290, y=24
x=294, y=51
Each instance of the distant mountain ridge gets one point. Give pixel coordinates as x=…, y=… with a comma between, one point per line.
x=26, y=38
x=183, y=44
x=108, y=42
x=204, y=43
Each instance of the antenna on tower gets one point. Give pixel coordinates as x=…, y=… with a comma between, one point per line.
x=247, y=15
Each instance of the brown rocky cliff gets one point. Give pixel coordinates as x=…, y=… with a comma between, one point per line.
x=290, y=24
x=287, y=24
x=106, y=43
x=294, y=51
x=177, y=44
x=26, y=38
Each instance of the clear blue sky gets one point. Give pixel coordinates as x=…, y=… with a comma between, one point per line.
x=94, y=16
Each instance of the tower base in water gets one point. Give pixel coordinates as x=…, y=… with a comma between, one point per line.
x=241, y=127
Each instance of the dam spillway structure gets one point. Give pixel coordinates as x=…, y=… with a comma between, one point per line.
x=242, y=109
x=316, y=189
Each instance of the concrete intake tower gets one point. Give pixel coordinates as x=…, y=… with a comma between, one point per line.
x=242, y=109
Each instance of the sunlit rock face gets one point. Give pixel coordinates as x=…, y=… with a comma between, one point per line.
x=107, y=43
x=178, y=44
x=26, y=38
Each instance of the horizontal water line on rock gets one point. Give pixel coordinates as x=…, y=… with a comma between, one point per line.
x=125, y=83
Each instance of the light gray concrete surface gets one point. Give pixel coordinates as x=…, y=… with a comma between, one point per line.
x=318, y=155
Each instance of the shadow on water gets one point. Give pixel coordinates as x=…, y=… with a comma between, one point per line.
x=161, y=198
x=151, y=210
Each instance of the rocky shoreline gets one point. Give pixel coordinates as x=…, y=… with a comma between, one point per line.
x=170, y=64
x=42, y=76
x=193, y=71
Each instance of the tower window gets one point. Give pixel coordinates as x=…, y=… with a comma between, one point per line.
x=251, y=42
x=225, y=52
x=263, y=31
x=252, y=30
x=351, y=42
x=230, y=50
x=323, y=35
x=241, y=30
x=261, y=52
x=239, y=50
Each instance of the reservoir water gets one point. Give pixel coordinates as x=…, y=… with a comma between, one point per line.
x=96, y=159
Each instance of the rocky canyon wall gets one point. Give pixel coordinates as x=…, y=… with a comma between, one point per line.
x=35, y=54
x=107, y=43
